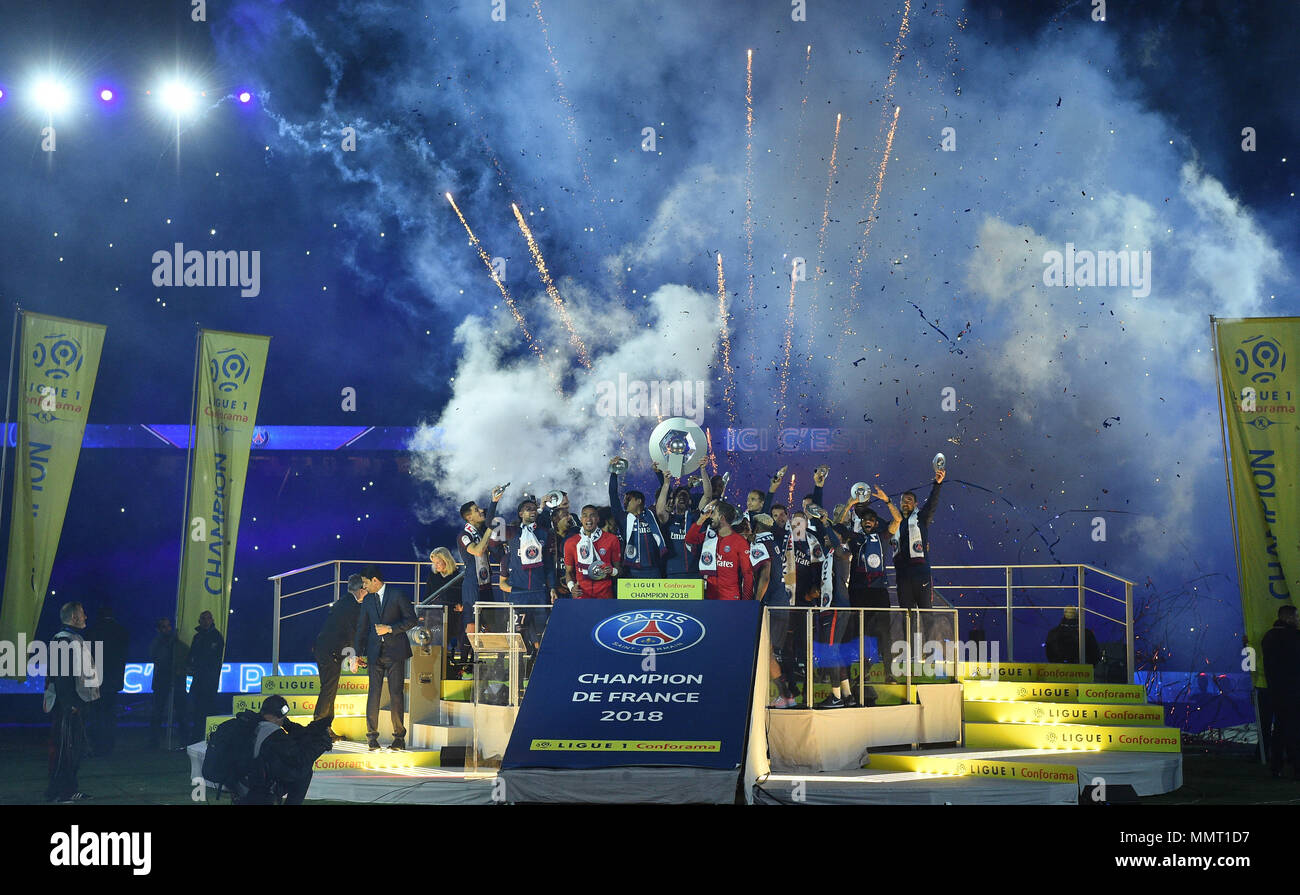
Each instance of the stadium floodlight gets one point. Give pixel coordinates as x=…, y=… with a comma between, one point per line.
x=177, y=97
x=50, y=95
x=245, y=96
x=106, y=94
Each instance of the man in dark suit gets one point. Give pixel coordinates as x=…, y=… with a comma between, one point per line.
x=206, y=652
x=333, y=645
x=1281, y=649
x=386, y=616
x=116, y=639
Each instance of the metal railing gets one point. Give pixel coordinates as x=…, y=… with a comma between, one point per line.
x=334, y=585
x=1089, y=592
x=1004, y=595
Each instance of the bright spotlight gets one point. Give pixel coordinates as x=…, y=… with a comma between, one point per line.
x=50, y=95
x=2, y=94
x=245, y=96
x=177, y=97
x=106, y=95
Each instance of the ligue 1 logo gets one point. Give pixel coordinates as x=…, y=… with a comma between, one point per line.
x=61, y=352
x=229, y=369
x=1022, y=692
x=631, y=633
x=1263, y=354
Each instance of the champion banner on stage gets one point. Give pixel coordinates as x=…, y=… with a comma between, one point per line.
x=59, y=361
x=1259, y=360
x=635, y=683
x=229, y=385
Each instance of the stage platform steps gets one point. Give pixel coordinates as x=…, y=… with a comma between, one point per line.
x=1033, y=733
x=1051, y=707
x=962, y=777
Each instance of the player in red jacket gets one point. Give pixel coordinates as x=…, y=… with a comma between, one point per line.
x=591, y=559
x=724, y=555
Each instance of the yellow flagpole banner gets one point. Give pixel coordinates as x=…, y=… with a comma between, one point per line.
x=231, y=366
x=60, y=359
x=1258, y=363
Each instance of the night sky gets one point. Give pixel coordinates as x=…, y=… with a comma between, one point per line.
x=924, y=267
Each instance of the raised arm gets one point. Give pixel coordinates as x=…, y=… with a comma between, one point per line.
x=893, y=510
x=707, y=498
x=932, y=502
x=614, y=502
x=819, y=479
x=772, y=487
x=661, y=501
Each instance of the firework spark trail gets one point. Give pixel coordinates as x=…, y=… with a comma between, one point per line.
x=856, y=275
x=550, y=288
x=729, y=383
x=711, y=459
x=789, y=501
x=510, y=303
x=821, y=243
x=749, y=176
x=571, y=125
x=803, y=108
x=903, y=28
x=856, y=272
x=789, y=335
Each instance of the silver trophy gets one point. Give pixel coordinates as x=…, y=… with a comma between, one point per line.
x=860, y=491
x=678, y=446
x=618, y=467
x=597, y=570
x=553, y=499
x=938, y=462
x=814, y=511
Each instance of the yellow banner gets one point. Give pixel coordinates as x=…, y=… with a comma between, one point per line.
x=214, y=721
x=56, y=378
x=661, y=589
x=626, y=746
x=1062, y=713
x=305, y=684
x=1259, y=372
x=377, y=761
x=1010, y=691
x=1073, y=736
x=231, y=366
x=1028, y=671
x=303, y=704
x=1001, y=769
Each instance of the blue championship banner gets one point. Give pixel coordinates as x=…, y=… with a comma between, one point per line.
x=634, y=682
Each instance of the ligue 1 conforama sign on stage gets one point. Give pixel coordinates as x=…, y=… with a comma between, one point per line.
x=637, y=684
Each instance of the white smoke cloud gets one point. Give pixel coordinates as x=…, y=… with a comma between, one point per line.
x=506, y=421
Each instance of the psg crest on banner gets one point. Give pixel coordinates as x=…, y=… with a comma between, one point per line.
x=633, y=632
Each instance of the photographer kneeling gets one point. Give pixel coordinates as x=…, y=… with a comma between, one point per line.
x=263, y=758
